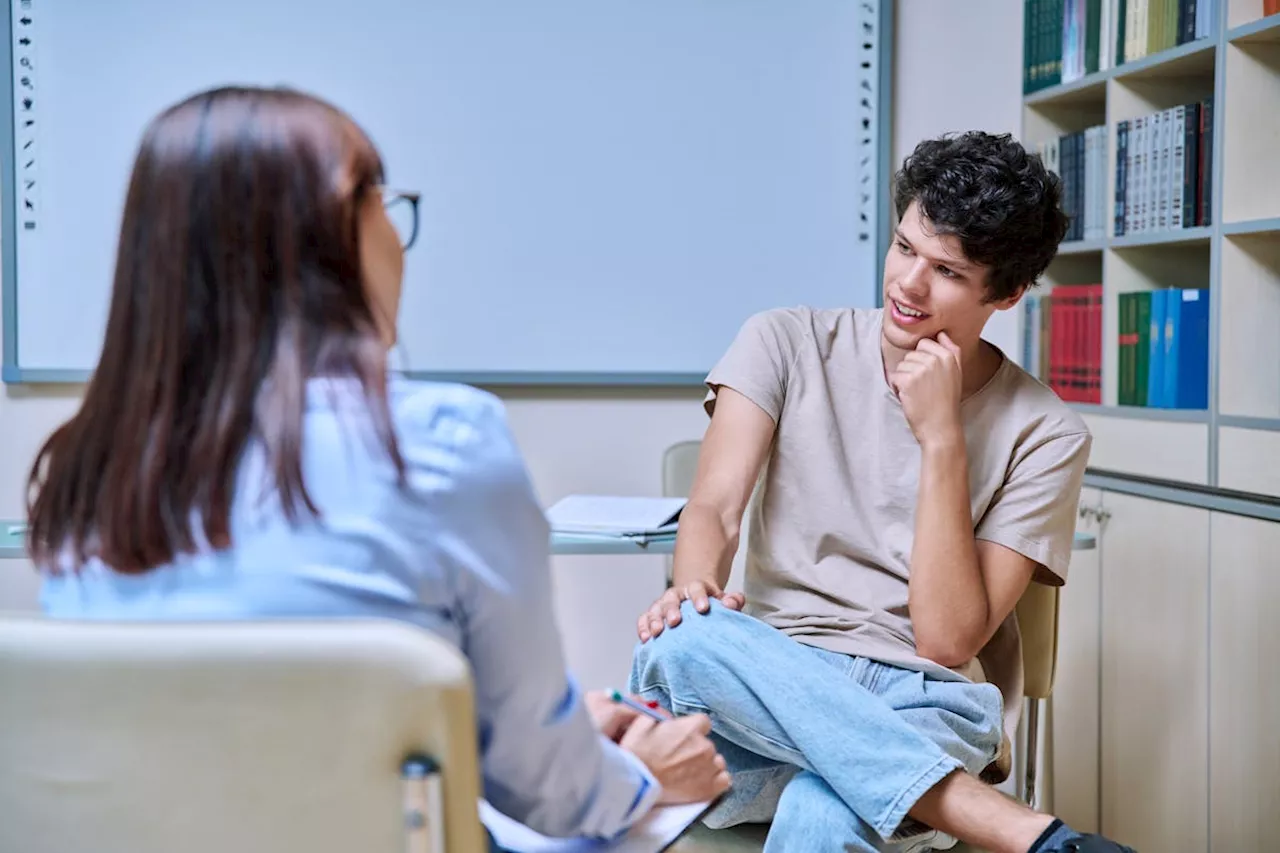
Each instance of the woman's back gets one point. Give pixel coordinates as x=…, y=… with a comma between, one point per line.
x=241, y=453
x=373, y=550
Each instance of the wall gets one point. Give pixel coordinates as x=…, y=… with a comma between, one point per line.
x=956, y=67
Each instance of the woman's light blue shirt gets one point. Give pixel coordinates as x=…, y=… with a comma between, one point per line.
x=461, y=549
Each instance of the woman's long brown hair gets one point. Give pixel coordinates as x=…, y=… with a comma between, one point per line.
x=237, y=279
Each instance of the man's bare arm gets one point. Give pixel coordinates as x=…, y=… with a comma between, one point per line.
x=733, y=450
x=960, y=589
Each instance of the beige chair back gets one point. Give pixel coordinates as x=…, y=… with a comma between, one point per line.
x=679, y=467
x=239, y=736
x=1038, y=624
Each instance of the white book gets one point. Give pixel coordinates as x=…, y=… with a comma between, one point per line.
x=654, y=832
x=1177, y=165
x=615, y=515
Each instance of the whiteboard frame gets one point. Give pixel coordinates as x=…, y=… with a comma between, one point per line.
x=13, y=373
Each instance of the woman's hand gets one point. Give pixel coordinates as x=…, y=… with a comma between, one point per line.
x=612, y=719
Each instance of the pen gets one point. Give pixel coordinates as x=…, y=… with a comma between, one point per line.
x=636, y=706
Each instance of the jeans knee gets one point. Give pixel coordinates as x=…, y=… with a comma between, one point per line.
x=690, y=644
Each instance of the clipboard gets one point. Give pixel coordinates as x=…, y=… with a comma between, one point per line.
x=657, y=831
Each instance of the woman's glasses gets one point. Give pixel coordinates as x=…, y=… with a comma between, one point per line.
x=402, y=210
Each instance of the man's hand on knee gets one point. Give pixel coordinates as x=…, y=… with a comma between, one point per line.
x=665, y=612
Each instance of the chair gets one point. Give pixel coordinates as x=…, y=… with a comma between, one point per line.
x=1037, y=613
x=679, y=466
x=205, y=738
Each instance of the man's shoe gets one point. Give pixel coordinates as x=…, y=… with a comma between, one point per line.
x=915, y=837
x=1087, y=843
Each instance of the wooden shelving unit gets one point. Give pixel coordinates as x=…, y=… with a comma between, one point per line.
x=1235, y=442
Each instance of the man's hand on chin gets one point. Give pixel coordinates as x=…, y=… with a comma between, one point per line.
x=928, y=381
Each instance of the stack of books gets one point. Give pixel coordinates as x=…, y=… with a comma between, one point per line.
x=1064, y=40
x=1080, y=159
x=1164, y=168
x=1164, y=349
x=1063, y=343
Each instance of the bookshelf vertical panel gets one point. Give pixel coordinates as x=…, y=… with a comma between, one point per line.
x=1249, y=326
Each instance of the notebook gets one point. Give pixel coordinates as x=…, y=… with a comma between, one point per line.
x=615, y=515
x=657, y=831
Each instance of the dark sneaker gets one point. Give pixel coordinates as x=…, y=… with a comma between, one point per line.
x=1087, y=844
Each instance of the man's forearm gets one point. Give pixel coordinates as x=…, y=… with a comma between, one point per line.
x=704, y=547
x=947, y=596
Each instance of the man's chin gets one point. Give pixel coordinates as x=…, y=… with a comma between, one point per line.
x=901, y=338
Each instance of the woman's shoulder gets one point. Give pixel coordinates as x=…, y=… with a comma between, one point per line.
x=438, y=424
x=444, y=419
x=436, y=408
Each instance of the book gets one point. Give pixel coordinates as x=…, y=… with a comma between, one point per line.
x=615, y=515
x=654, y=832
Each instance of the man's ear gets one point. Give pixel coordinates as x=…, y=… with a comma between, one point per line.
x=1012, y=300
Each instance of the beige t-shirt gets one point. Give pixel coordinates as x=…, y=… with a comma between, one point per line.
x=832, y=525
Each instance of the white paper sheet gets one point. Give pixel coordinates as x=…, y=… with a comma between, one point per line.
x=616, y=515
x=655, y=832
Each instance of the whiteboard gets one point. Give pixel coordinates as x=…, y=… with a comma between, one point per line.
x=610, y=187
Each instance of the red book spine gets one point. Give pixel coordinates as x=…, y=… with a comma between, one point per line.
x=1071, y=347
x=1076, y=357
x=1056, y=338
x=1095, y=343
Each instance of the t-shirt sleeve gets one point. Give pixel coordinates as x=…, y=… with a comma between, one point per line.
x=1034, y=512
x=758, y=361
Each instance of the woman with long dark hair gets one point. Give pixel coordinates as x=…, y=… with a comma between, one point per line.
x=241, y=453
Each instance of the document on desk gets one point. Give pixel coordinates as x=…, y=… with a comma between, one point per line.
x=657, y=831
x=615, y=515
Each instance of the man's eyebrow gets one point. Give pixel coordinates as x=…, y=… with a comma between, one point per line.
x=959, y=263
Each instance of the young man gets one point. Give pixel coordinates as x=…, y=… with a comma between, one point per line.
x=915, y=481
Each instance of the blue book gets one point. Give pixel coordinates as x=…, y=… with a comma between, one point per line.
x=1155, y=352
x=1172, y=332
x=1191, y=346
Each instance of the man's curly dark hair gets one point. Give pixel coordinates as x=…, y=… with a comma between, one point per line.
x=998, y=199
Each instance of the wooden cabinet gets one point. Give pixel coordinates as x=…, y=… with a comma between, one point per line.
x=1166, y=705
x=1072, y=786
x=1154, y=765
x=1244, y=708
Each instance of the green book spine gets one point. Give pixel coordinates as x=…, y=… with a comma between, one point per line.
x=1093, y=33
x=1142, y=353
x=1055, y=43
x=1026, y=45
x=1122, y=14
x=1124, y=351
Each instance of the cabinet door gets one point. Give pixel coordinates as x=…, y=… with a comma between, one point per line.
x=1073, y=712
x=1155, y=631
x=1244, y=711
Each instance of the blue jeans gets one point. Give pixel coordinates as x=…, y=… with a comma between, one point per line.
x=834, y=750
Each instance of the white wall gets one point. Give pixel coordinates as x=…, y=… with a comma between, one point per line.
x=956, y=66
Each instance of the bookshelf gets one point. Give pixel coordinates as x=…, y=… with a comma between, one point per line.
x=1205, y=95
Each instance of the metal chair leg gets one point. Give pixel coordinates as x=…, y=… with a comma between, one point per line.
x=1032, y=757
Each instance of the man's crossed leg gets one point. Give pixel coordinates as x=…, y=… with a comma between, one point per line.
x=838, y=751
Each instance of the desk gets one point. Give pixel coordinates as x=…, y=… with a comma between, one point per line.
x=565, y=543
x=13, y=540
x=12, y=543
